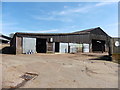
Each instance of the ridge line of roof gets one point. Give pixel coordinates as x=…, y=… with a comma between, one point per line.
x=77, y=32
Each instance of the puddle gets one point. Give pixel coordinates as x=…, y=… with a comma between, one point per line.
x=25, y=78
x=28, y=76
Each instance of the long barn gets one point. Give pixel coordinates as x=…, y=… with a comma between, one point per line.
x=90, y=40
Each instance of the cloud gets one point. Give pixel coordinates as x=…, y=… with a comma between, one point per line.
x=66, y=6
x=103, y=4
x=13, y=29
x=113, y=24
x=84, y=9
x=72, y=10
x=111, y=29
x=41, y=31
x=80, y=9
x=53, y=18
x=44, y=18
x=9, y=24
x=65, y=14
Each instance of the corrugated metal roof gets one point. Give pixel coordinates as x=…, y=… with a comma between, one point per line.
x=87, y=30
x=5, y=38
x=73, y=33
x=1, y=38
x=21, y=33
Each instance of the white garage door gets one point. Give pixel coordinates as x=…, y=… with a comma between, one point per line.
x=73, y=48
x=85, y=47
x=63, y=48
x=29, y=45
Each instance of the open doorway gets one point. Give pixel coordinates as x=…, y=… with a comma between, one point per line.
x=57, y=45
x=41, y=45
x=98, y=45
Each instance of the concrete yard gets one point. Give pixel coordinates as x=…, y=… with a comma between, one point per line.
x=60, y=71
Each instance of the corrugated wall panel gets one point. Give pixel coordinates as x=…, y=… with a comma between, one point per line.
x=18, y=45
x=65, y=38
x=115, y=45
x=50, y=47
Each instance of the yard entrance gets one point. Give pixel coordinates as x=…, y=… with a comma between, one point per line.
x=57, y=45
x=98, y=46
x=41, y=45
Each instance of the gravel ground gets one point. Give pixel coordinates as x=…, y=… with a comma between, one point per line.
x=60, y=71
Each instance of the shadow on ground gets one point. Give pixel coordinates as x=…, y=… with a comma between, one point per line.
x=91, y=55
x=105, y=57
x=6, y=50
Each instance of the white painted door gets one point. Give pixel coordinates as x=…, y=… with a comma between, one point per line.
x=29, y=44
x=85, y=47
x=63, y=48
x=73, y=48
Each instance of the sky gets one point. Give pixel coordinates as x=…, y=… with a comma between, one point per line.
x=59, y=17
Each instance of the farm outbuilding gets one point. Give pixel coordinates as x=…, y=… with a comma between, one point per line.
x=115, y=45
x=4, y=39
x=90, y=40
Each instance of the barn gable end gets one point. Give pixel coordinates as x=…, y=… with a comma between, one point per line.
x=98, y=31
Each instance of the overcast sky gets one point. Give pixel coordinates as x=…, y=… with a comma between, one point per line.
x=59, y=17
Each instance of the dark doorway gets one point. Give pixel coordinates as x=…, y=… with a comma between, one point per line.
x=98, y=46
x=41, y=45
x=57, y=46
x=68, y=49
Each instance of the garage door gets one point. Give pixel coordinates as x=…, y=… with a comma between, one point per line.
x=74, y=47
x=85, y=47
x=63, y=48
x=29, y=45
